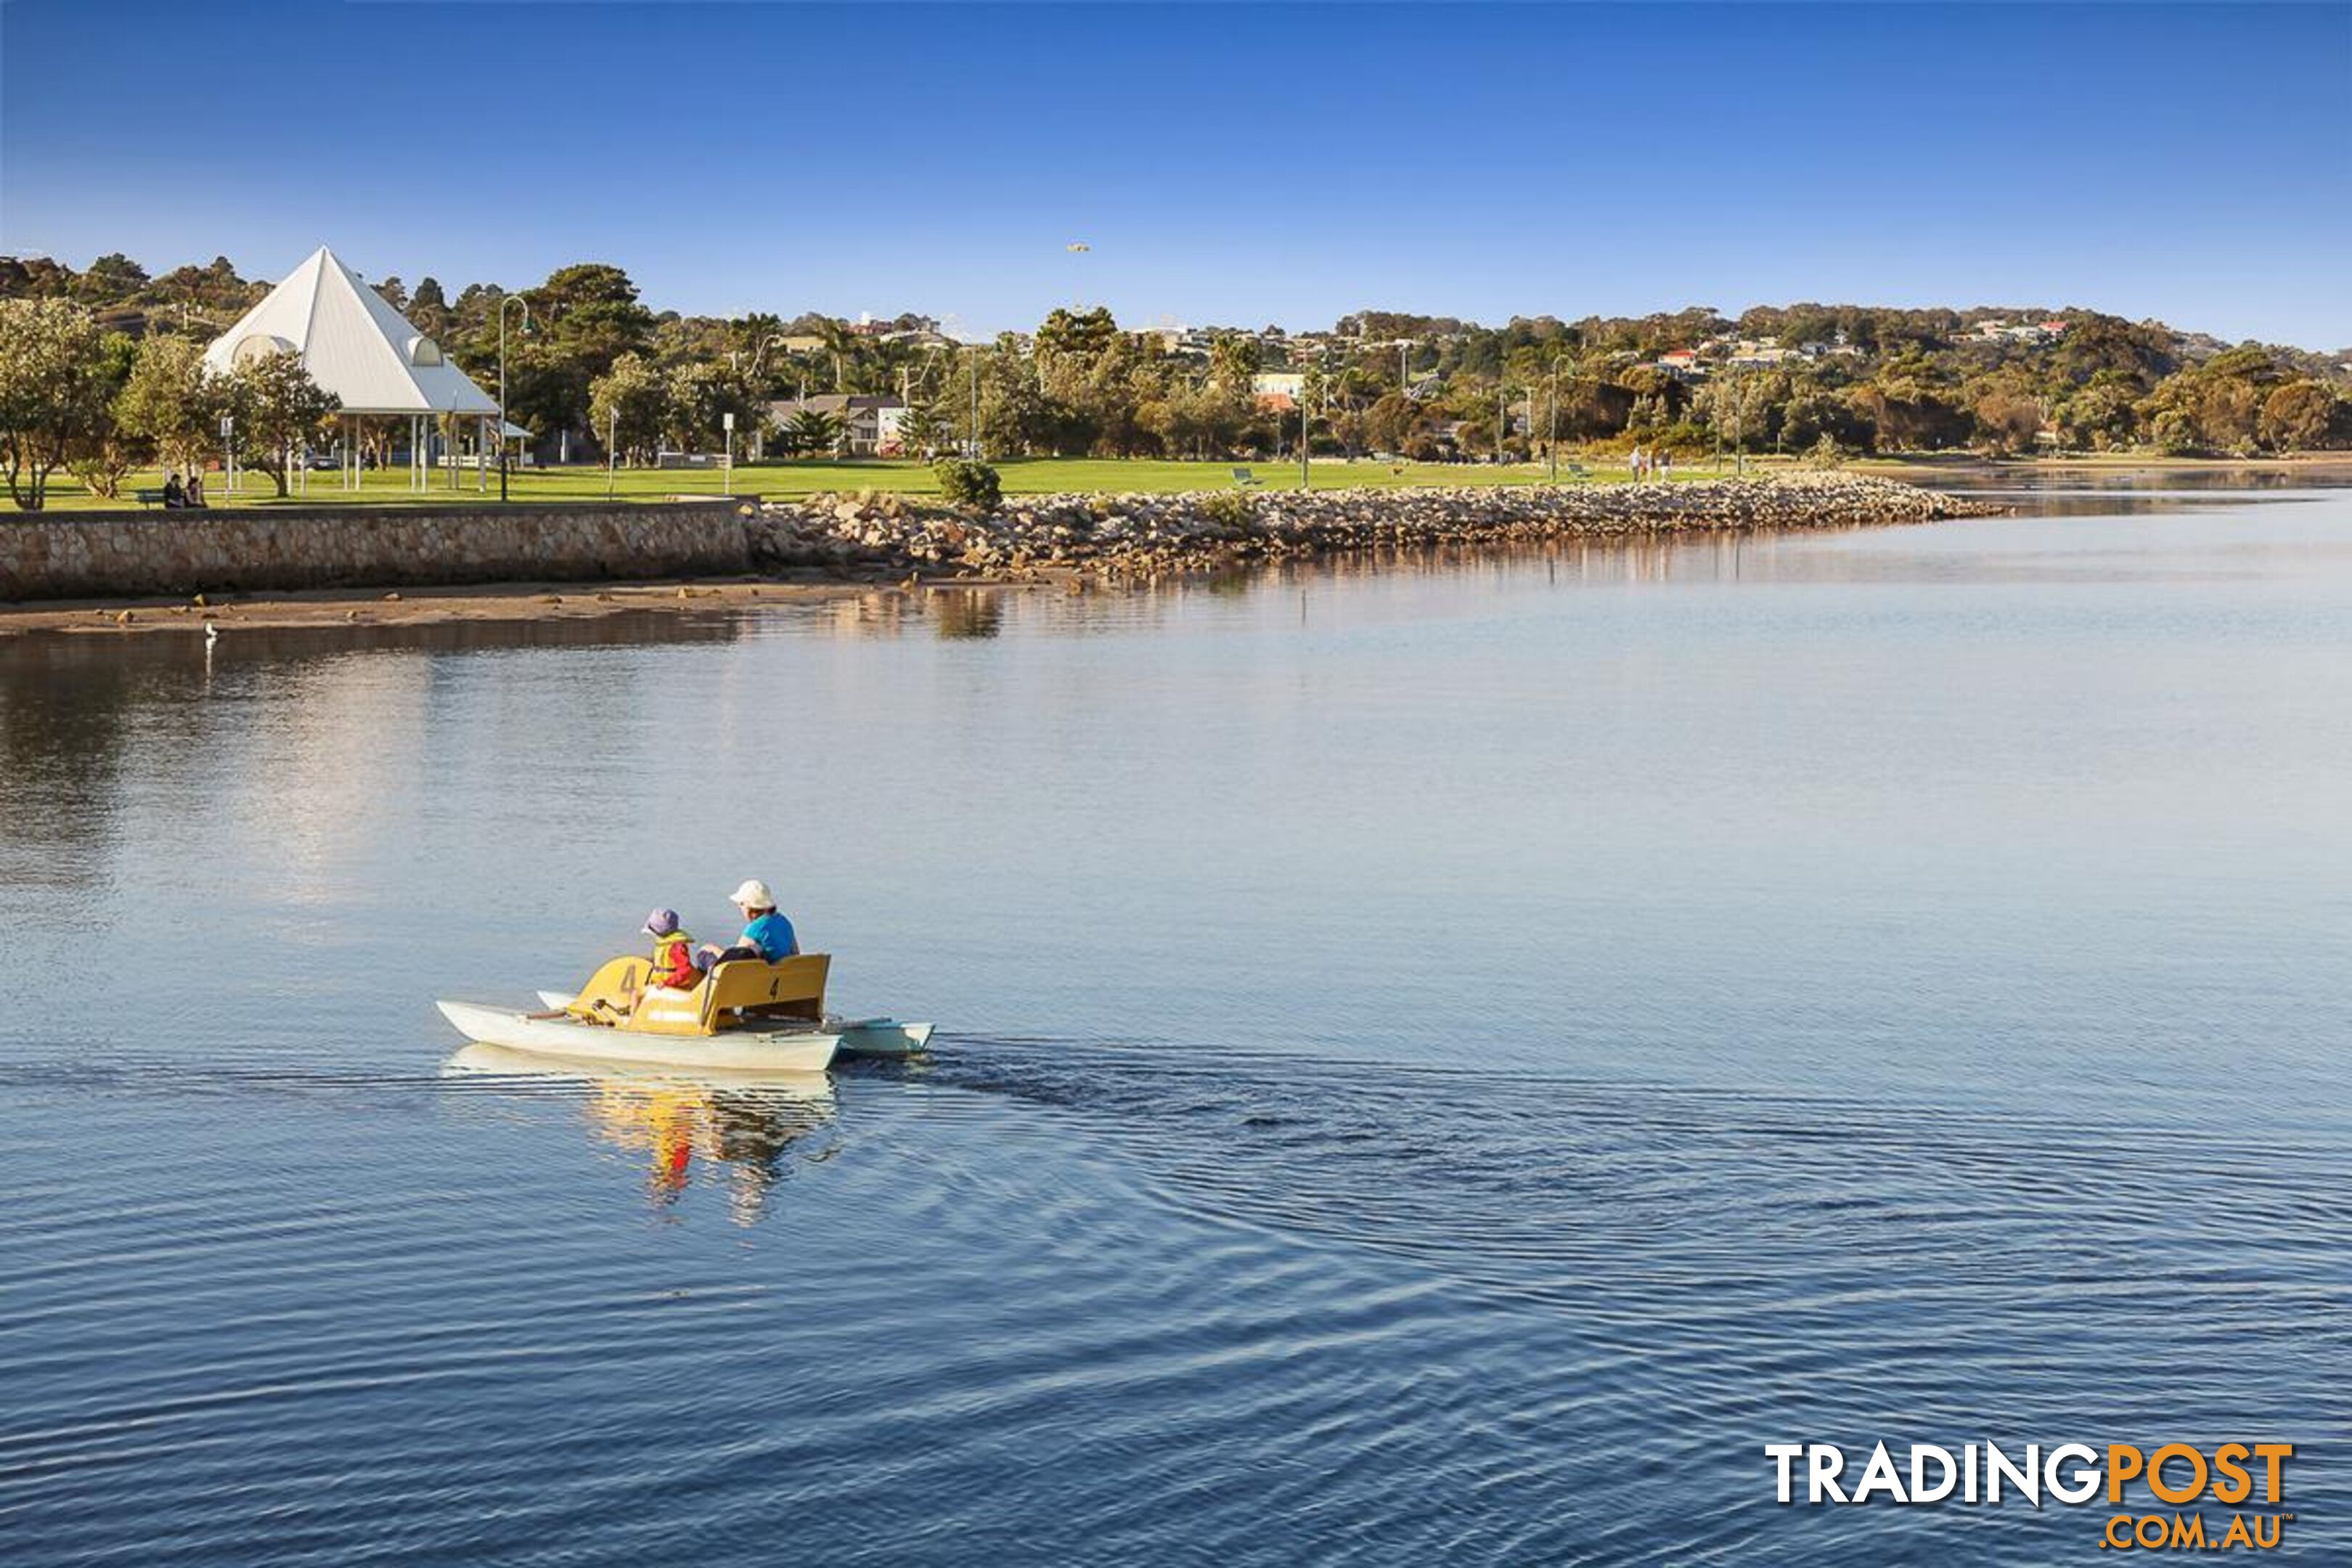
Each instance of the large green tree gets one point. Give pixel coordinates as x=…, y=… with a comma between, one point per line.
x=627, y=406
x=102, y=453
x=171, y=404
x=582, y=319
x=279, y=410
x=2301, y=416
x=53, y=391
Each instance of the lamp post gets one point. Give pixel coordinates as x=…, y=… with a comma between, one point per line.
x=1739, y=427
x=975, y=453
x=760, y=426
x=729, y=421
x=1551, y=437
x=228, y=453
x=503, y=303
x=1306, y=479
x=612, y=448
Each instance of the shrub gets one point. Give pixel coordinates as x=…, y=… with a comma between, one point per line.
x=1231, y=511
x=969, y=483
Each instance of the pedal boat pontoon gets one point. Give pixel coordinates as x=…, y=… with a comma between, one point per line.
x=744, y=1015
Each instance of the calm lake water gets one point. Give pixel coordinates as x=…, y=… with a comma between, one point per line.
x=1437, y=1064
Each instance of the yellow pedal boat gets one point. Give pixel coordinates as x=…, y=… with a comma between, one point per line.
x=744, y=1015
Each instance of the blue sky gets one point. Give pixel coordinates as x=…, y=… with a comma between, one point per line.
x=1232, y=165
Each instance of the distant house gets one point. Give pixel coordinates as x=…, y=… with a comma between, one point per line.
x=2001, y=332
x=871, y=424
x=1682, y=364
x=1278, y=388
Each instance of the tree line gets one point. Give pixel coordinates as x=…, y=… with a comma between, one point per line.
x=101, y=370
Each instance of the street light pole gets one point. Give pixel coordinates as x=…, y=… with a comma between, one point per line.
x=1739, y=429
x=760, y=425
x=975, y=404
x=1551, y=437
x=1306, y=481
x=503, y=302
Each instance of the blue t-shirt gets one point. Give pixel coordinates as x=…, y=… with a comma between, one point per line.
x=773, y=935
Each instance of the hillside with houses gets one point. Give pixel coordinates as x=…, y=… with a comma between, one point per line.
x=601, y=366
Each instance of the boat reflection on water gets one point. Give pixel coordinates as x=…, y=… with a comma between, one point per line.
x=742, y=1125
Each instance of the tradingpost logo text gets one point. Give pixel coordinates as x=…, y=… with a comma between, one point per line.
x=2152, y=1494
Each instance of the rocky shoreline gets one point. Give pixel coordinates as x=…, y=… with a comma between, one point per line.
x=1141, y=537
x=843, y=544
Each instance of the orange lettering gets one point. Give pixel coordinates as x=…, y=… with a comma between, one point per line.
x=2156, y=1473
x=2270, y=1454
x=2124, y=1462
x=2229, y=1465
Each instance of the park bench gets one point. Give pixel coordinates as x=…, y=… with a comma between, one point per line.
x=1244, y=478
x=148, y=498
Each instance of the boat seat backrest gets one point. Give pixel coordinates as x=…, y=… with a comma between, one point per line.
x=744, y=988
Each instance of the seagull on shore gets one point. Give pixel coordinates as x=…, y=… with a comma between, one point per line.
x=212, y=633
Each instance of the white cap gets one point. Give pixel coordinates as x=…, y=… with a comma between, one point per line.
x=754, y=894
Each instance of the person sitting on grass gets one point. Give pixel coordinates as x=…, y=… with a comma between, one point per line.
x=767, y=935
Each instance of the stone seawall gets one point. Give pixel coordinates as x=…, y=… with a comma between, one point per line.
x=1129, y=536
x=123, y=555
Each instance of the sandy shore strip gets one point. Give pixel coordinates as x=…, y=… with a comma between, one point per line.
x=485, y=602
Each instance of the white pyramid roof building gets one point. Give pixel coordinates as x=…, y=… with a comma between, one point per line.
x=353, y=343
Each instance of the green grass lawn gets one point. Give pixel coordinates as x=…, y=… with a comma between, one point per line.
x=786, y=480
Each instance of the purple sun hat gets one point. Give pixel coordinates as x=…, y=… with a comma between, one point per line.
x=661, y=922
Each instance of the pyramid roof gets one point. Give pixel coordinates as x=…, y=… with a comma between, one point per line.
x=353, y=343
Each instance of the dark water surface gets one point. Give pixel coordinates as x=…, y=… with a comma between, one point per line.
x=1441, y=1065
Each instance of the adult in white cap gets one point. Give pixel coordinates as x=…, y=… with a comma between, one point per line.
x=767, y=935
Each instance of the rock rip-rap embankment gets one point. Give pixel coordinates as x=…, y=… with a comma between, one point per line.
x=1118, y=536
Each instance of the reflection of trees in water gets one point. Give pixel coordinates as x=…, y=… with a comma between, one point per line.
x=69, y=706
x=83, y=714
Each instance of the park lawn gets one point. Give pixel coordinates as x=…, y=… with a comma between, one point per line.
x=784, y=480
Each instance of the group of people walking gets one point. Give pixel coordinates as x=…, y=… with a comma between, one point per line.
x=178, y=497
x=1657, y=463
